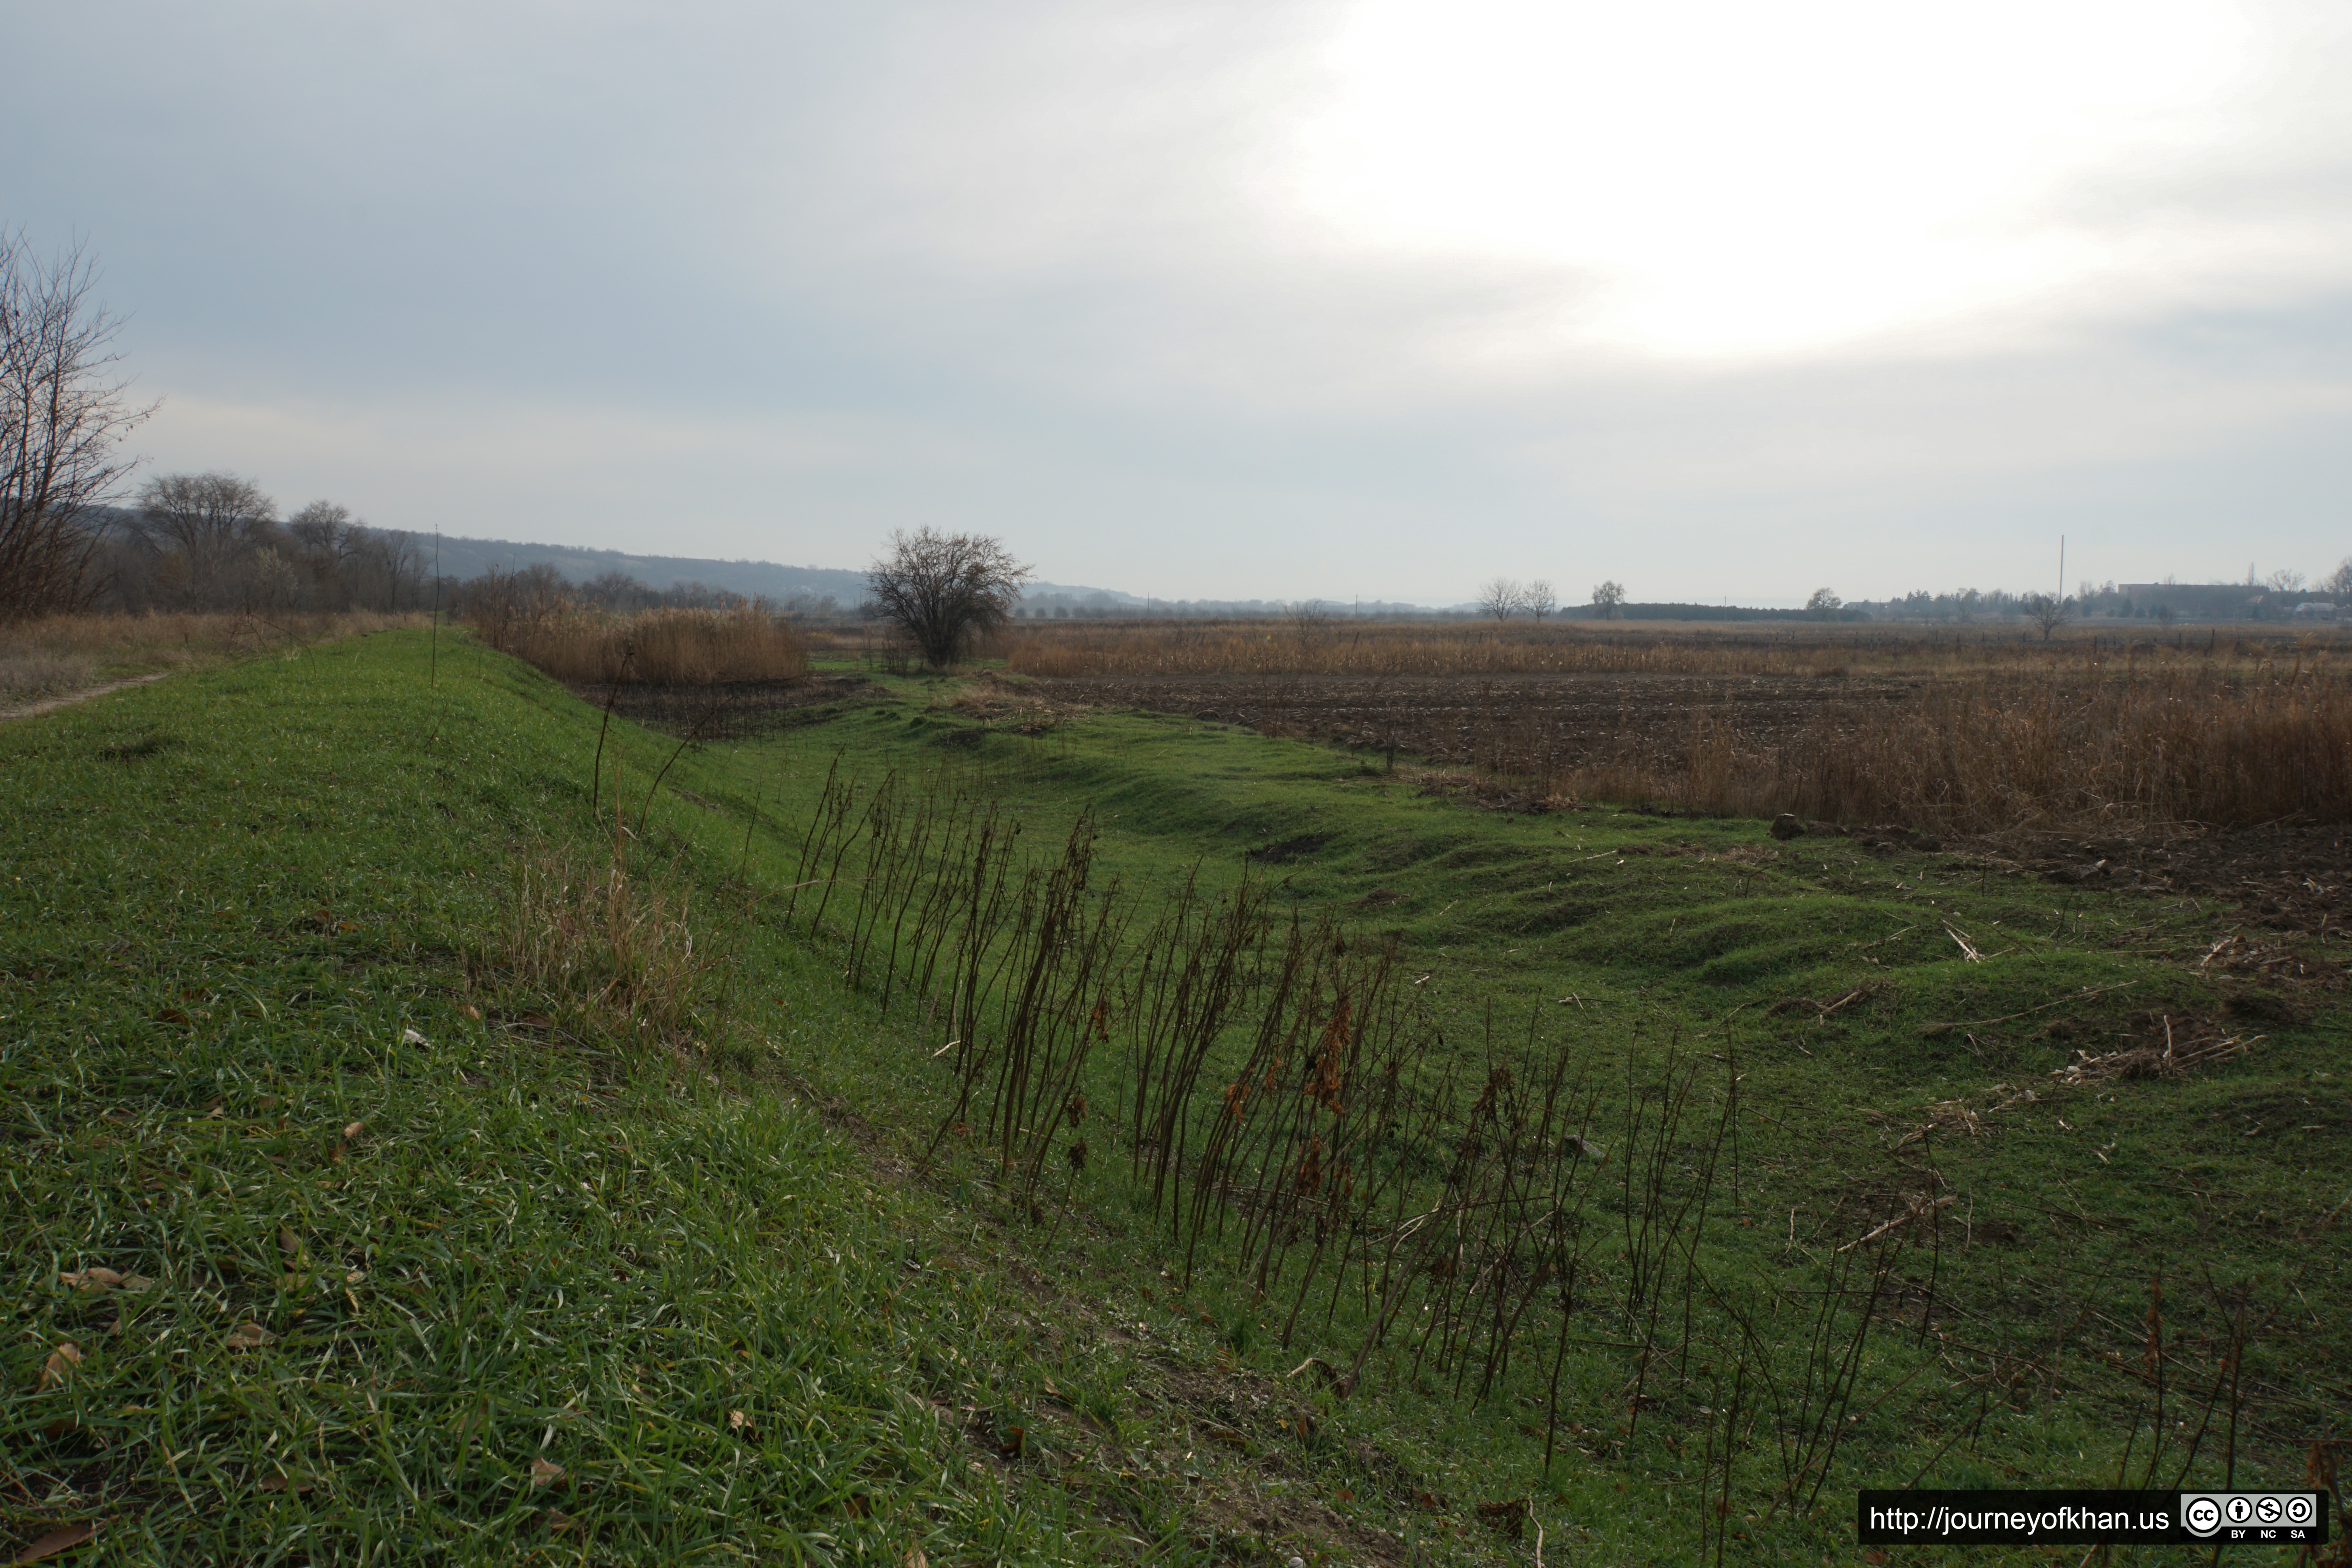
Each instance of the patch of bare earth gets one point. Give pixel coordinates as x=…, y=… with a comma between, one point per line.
x=1450, y=719
x=733, y=710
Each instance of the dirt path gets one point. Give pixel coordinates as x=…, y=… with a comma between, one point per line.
x=51, y=704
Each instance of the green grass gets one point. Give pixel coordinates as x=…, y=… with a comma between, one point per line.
x=246, y=909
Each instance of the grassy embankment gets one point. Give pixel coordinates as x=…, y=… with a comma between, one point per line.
x=327, y=1014
x=54, y=655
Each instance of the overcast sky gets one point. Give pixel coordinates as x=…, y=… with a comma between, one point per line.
x=1254, y=300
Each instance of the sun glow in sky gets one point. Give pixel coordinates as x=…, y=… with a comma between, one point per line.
x=1724, y=178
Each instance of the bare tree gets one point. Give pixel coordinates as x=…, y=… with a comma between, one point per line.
x=1824, y=602
x=206, y=519
x=2338, y=582
x=2046, y=611
x=2285, y=580
x=945, y=589
x=1609, y=598
x=1539, y=600
x=1500, y=597
x=325, y=527
x=63, y=415
x=1310, y=621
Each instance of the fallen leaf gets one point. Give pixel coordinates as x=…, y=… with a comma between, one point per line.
x=60, y=1365
x=915, y=1559
x=215, y=1108
x=470, y=1011
x=286, y=1483
x=545, y=1472
x=248, y=1336
x=736, y=1418
x=558, y=1521
x=171, y=1016
x=135, y=1283
x=411, y=1037
x=287, y=1242
x=356, y=1129
x=355, y=1277
x=56, y=1540
x=91, y=1279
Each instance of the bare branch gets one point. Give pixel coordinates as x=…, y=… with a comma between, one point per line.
x=63, y=415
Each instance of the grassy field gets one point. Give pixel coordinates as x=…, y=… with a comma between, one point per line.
x=431, y=1139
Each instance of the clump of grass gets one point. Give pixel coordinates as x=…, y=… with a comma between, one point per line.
x=658, y=647
x=615, y=951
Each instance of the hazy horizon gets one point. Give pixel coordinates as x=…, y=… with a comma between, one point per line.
x=1280, y=301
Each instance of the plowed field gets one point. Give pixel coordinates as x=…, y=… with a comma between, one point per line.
x=1536, y=723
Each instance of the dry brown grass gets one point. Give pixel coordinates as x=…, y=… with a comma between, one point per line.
x=57, y=655
x=658, y=647
x=1282, y=648
x=615, y=955
x=2004, y=752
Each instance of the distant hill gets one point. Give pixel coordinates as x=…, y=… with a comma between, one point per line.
x=467, y=558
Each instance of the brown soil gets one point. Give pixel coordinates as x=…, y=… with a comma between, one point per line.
x=1457, y=719
x=733, y=710
x=2287, y=876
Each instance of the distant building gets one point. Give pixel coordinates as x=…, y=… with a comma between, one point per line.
x=2316, y=610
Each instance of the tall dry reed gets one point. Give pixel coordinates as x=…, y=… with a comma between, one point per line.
x=660, y=648
x=2007, y=753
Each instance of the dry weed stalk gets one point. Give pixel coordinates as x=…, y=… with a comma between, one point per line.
x=2170, y=1060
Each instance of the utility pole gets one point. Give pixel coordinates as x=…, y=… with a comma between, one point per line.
x=2062, y=568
